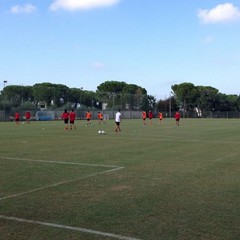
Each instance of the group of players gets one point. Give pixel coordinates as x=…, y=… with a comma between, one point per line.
x=70, y=117
x=17, y=117
x=177, y=117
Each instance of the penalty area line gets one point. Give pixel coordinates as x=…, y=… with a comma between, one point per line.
x=76, y=229
x=58, y=162
x=60, y=183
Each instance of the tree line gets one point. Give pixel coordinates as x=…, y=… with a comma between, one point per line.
x=114, y=95
x=205, y=98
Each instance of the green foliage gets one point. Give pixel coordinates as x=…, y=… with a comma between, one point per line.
x=28, y=106
x=111, y=86
x=117, y=95
x=227, y=102
x=167, y=105
x=120, y=95
x=75, y=96
x=133, y=89
x=205, y=98
x=48, y=93
x=186, y=95
x=17, y=94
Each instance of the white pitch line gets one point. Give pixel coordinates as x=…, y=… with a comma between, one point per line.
x=58, y=162
x=60, y=183
x=77, y=229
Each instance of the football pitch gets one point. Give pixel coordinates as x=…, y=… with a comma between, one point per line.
x=146, y=182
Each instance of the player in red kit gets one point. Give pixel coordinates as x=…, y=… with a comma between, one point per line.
x=144, y=116
x=65, y=117
x=177, y=117
x=17, y=118
x=150, y=116
x=72, y=117
x=28, y=116
x=160, y=116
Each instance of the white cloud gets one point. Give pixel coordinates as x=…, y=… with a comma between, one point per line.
x=221, y=13
x=27, y=8
x=80, y=4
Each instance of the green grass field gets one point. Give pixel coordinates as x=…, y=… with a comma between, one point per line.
x=147, y=182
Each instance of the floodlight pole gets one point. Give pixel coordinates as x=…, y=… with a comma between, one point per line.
x=22, y=99
x=81, y=88
x=170, y=104
x=92, y=101
x=4, y=106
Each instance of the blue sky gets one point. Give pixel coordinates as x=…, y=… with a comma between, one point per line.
x=151, y=43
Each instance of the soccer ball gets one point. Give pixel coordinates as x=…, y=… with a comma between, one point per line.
x=101, y=132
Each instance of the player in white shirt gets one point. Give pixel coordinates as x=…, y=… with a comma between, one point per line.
x=118, y=117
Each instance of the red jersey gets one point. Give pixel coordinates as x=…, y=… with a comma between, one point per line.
x=65, y=115
x=150, y=115
x=27, y=115
x=160, y=115
x=72, y=116
x=17, y=116
x=177, y=116
x=144, y=115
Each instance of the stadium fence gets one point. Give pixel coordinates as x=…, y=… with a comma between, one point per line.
x=56, y=115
